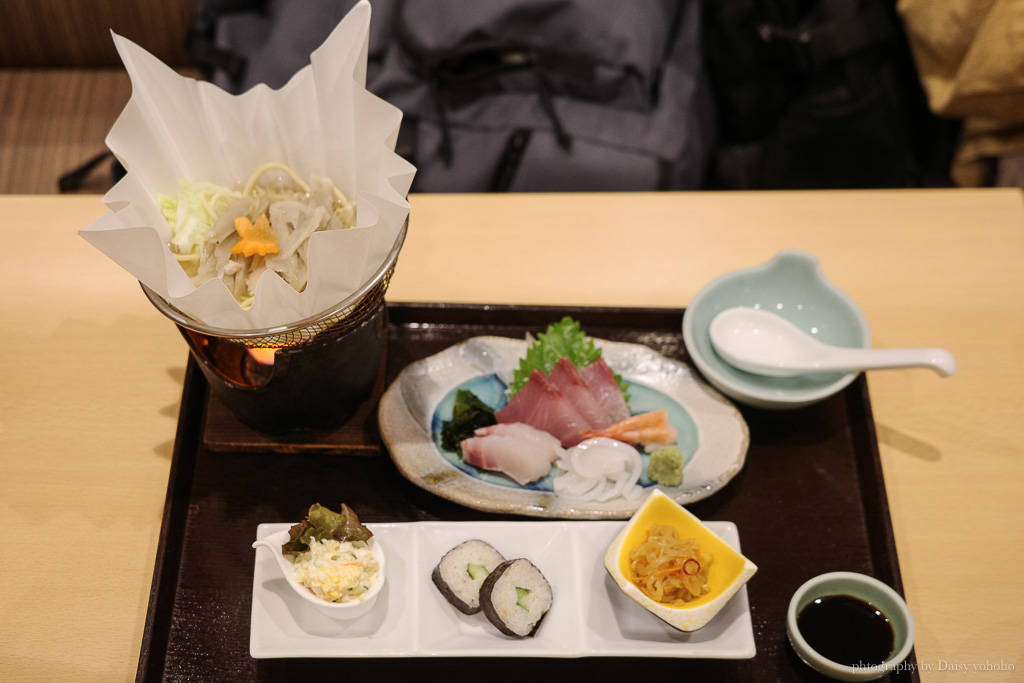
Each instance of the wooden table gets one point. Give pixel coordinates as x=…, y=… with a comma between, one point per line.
x=91, y=377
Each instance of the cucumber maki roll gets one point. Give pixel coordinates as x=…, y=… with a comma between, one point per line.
x=462, y=571
x=515, y=598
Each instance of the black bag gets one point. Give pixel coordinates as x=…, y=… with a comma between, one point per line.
x=521, y=95
x=599, y=95
x=819, y=94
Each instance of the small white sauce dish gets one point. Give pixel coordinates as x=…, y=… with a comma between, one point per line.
x=335, y=610
x=868, y=589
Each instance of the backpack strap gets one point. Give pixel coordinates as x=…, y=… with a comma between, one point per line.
x=472, y=69
x=511, y=158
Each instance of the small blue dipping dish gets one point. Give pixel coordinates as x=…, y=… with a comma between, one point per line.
x=793, y=286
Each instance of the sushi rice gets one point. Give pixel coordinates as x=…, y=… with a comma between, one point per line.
x=462, y=571
x=516, y=597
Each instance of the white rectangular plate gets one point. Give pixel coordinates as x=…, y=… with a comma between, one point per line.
x=590, y=616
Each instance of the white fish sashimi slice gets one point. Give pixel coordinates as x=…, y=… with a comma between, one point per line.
x=504, y=454
x=520, y=451
x=542, y=440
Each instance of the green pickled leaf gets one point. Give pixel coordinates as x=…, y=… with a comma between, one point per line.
x=322, y=524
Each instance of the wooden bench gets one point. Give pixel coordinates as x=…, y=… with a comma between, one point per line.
x=62, y=84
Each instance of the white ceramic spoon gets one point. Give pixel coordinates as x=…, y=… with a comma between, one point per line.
x=764, y=343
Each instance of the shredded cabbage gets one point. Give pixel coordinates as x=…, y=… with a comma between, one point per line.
x=191, y=213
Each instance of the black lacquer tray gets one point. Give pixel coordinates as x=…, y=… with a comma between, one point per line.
x=810, y=499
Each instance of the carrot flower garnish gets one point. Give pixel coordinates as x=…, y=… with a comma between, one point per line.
x=257, y=238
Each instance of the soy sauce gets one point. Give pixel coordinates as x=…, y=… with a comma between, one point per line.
x=847, y=630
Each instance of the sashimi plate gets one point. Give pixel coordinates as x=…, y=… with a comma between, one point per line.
x=590, y=616
x=713, y=436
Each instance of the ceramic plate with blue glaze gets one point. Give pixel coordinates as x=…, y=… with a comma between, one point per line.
x=713, y=436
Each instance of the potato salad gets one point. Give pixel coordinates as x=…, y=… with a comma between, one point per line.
x=337, y=571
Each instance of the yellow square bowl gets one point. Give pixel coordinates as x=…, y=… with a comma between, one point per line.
x=728, y=571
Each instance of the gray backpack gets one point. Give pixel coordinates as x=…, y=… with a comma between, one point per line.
x=503, y=95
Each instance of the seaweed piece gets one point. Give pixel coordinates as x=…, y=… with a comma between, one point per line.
x=468, y=415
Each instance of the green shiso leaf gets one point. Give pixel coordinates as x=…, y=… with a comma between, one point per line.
x=468, y=414
x=322, y=524
x=564, y=338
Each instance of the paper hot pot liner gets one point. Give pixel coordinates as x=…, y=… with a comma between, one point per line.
x=323, y=121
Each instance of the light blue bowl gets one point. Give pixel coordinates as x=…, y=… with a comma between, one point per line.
x=872, y=591
x=793, y=286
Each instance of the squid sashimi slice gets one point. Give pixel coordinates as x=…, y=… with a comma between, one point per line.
x=602, y=384
x=518, y=450
x=651, y=430
x=599, y=469
x=568, y=379
x=541, y=404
